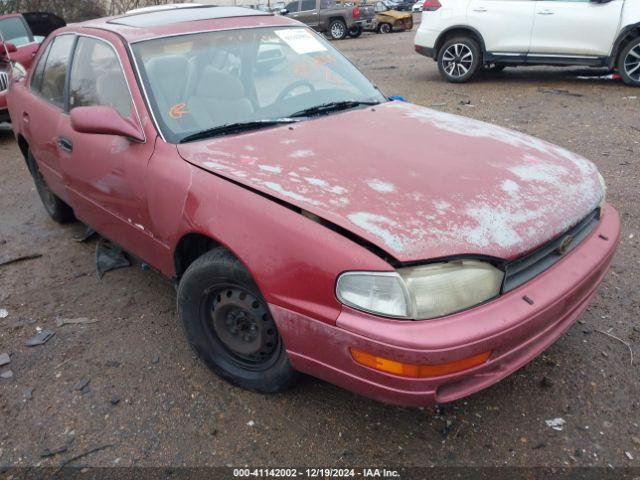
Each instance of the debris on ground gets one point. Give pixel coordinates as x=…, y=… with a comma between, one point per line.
x=556, y=423
x=608, y=76
x=4, y=313
x=115, y=400
x=39, y=338
x=619, y=340
x=628, y=455
x=109, y=257
x=6, y=375
x=81, y=455
x=4, y=359
x=21, y=258
x=559, y=91
x=546, y=382
x=47, y=452
x=88, y=234
x=251, y=423
x=28, y=393
x=74, y=321
x=82, y=385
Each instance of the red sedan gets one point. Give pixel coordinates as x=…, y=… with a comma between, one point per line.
x=235, y=152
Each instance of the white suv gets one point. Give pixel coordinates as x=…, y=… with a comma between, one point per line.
x=464, y=36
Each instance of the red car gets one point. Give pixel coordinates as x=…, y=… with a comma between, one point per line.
x=20, y=38
x=235, y=151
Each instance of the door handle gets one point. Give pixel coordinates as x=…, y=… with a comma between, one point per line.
x=65, y=144
x=25, y=118
x=546, y=12
x=480, y=9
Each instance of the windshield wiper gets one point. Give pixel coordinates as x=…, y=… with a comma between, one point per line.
x=332, y=107
x=238, y=127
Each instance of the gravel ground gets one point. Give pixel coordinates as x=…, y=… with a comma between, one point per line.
x=151, y=403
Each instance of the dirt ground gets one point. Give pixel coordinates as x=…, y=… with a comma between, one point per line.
x=150, y=402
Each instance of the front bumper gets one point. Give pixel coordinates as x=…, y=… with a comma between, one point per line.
x=514, y=330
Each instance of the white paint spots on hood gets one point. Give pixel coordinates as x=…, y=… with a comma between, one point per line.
x=301, y=154
x=379, y=226
x=381, y=186
x=270, y=168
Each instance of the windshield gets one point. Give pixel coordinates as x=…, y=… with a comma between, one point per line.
x=14, y=31
x=202, y=81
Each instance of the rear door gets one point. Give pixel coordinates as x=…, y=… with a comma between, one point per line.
x=505, y=25
x=308, y=13
x=575, y=27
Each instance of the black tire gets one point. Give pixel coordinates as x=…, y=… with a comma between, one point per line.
x=629, y=63
x=385, y=28
x=355, y=32
x=228, y=324
x=337, y=29
x=56, y=208
x=459, y=59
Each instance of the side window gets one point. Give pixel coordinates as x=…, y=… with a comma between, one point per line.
x=97, y=78
x=292, y=7
x=14, y=30
x=36, y=78
x=54, y=76
x=306, y=5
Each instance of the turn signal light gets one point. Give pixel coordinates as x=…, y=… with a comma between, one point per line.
x=417, y=371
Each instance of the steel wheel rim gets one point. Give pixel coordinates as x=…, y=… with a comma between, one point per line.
x=385, y=28
x=337, y=30
x=632, y=63
x=241, y=323
x=457, y=60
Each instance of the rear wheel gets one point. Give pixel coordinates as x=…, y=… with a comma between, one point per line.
x=56, y=208
x=629, y=63
x=229, y=326
x=385, y=28
x=459, y=59
x=355, y=32
x=337, y=29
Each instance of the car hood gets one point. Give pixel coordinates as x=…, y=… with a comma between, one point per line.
x=445, y=185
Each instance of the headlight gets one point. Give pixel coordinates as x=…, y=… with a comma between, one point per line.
x=18, y=72
x=603, y=184
x=420, y=293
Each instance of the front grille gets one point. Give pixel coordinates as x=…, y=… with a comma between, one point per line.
x=524, y=269
x=4, y=81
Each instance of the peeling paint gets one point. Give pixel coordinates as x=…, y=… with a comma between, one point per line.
x=381, y=186
x=270, y=168
x=379, y=226
x=302, y=154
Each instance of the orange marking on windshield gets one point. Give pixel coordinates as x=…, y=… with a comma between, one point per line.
x=178, y=111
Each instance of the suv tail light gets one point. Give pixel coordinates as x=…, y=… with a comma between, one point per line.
x=356, y=12
x=431, y=5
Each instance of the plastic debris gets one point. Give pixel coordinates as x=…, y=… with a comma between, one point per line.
x=251, y=423
x=88, y=234
x=4, y=359
x=556, y=423
x=4, y=313
x=21, y=258
x=628, y=455
x=109, y=257
x=82, y=384
x=74, y=321
x=39, y=338
x=28, y=393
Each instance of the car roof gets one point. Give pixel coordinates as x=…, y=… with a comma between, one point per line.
x=147, y=25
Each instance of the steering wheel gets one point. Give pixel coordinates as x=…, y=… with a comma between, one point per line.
x=290, y=88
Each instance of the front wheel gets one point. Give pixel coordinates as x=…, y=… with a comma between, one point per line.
x=56, y=208
x=459, y=59
x=629, y=63
x=337, y=29
x=355, y=32
x=229, y=326
x=384, y=28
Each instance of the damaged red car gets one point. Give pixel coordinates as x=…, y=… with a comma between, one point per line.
x=217, y=144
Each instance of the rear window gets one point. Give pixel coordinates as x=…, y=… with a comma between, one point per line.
x=15, y=31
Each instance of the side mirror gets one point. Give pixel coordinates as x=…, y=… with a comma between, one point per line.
x=284, y=11
x=102, y=120
x=6, y=47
